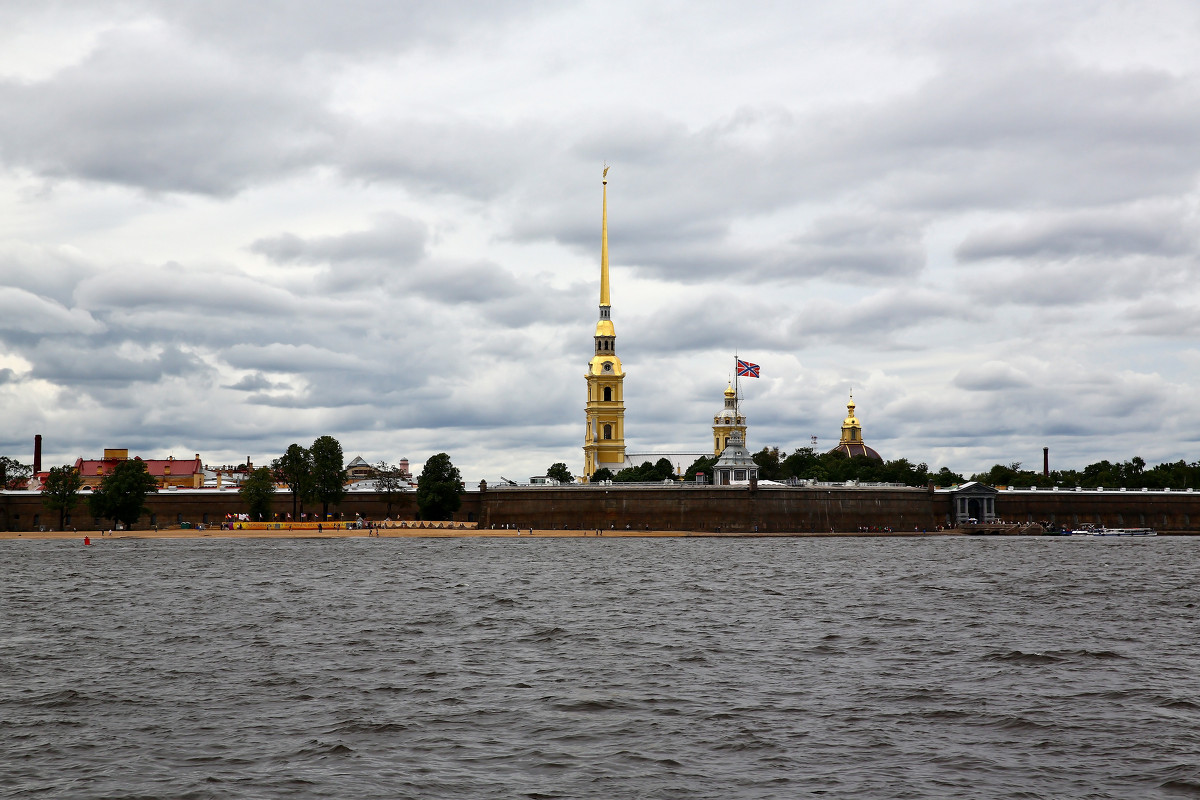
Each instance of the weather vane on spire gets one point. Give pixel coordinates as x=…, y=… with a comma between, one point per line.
x=605, y=173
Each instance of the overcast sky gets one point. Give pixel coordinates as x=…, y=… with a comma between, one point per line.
x=228, y=226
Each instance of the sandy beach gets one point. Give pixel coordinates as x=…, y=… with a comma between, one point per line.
x=99, y=537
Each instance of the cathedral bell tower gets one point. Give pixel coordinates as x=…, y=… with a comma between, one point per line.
x=604, y=438
x=728, y=422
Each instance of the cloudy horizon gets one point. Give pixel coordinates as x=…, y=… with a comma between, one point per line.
x=227, y=228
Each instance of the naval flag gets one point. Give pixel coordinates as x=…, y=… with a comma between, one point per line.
x=747, y=370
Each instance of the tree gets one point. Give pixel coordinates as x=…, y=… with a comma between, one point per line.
x=769, y=461
x=258, y=490
x=61, y=491
x=702, y=464
x=389, y=482
x=328, y=472
x=559, y=472
x=13, y=474
x=602, y=474
x=439, y=488
x=294, y=468
x=122, y=493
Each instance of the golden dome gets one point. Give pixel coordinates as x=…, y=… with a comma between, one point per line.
x=729, y=392
x=605, y=328
x=596, y=365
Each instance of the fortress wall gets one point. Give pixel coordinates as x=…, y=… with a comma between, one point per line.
x=18, y=510
x=1163, y=511
x=728, y=509
x=731, y=509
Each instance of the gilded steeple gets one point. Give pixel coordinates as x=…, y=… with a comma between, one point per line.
x=852, y=443
x=604, y=438
x=851, y=429
x=604, y=242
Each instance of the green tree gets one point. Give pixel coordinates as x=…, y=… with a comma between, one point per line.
x=703, y=464
x=770, y=467
x=258, y=490
x=328, y=472
x=602, y=474
x=61, y=491
x=13, y=474
x=559, y=472
x=945, y=477
x=389, y=482
x=439, y=488
x=294, y=468
x=122, y=494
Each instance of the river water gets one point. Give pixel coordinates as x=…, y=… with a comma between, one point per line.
x=593, y=668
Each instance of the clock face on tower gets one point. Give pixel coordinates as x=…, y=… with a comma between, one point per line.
x=608, y=366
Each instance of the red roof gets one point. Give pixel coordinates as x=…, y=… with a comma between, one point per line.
x=157, y=467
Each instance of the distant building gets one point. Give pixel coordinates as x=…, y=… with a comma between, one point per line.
x=170, y=471
x=852, y=443
x=727, y=422
x=359, y=470
x=604, y=432
x=735, y=465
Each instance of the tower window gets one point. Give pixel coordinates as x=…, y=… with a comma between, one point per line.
x=608, y=431
x=608, y=394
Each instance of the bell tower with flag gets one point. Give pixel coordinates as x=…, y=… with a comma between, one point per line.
x=604, y=438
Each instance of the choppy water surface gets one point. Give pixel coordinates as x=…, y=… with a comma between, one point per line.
x=681, y=668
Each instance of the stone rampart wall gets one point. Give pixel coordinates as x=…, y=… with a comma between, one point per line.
x=1163, y=511
x=729, y=509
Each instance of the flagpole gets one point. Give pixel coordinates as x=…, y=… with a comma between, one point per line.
x=737, y=393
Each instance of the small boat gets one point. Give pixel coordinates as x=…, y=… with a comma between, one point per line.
x=1121, y=532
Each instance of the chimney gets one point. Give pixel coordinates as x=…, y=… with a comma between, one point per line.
x=1046, y=461
x=37, y=454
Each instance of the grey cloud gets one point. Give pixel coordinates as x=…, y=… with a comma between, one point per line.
x=70, y=366
x=1077, y=283
x=176, y=287
x=889, y=310
x=24, y=315
x=52, y=272
x=160, y=115
x=290, y=29
x=991, y=376
x=1107, y=234
x=7, y=376
x=393, y=240
x=292, y=358
x=253, y=383
x=1163, y=317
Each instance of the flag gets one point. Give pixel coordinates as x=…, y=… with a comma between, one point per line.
x=747, y=370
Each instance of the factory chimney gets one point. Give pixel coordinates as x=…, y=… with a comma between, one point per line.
x=37, y=454
x=1046, y=461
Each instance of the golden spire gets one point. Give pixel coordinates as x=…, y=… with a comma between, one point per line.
x=604, y=243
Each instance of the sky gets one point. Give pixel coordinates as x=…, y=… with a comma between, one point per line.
x=226, y=227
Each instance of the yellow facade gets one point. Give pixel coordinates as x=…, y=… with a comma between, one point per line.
x=728, y=422
x=851, y=427
x=604, y=436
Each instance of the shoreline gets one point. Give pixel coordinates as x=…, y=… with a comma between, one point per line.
x=97, y=537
